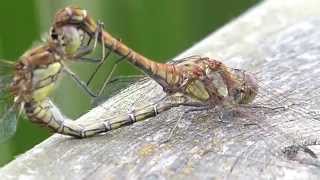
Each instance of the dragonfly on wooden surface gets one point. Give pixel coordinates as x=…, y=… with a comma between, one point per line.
x=192, y=76
x=206, y=82
x=26, y=87
x=38, y=70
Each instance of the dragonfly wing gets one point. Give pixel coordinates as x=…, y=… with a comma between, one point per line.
x=116, y=85
x=6, y=67
x=184, y=59
x=8, y=124
x=8, y=117
x=278, y=113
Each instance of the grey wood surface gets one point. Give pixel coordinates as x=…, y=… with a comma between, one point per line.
x=280, y=41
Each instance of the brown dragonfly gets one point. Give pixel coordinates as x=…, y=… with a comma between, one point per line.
x=200, y=81
x=194, y=81
x=207, y=81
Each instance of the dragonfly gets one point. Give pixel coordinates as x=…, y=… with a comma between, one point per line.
x=37, y=71
x=193, y=77
x=26, y=87
x=196, y=81
x=189, y=76
x=27, y=84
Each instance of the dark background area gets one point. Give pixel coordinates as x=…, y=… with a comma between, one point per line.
x=157, y=29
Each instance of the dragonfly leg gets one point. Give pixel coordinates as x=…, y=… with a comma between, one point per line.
x=79, y=82
x=102, y=61
x=125, y=78
x=87, y=49
x=104, y=55
x=109, y=75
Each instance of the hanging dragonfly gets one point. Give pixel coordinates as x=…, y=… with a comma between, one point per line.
x=27, y=84
x=202, y=82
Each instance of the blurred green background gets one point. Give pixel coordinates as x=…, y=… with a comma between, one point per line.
x=157, y=29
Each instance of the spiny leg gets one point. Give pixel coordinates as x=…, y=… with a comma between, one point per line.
x=80, y=53
x=125, y=78
x=87, y=49
x=79, y=82
x=109, y=75
x=104, y=55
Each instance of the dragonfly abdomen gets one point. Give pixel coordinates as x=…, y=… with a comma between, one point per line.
x=165, y=74
x=46, y=113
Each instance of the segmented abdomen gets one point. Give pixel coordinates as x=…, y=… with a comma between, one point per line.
x=48, y=114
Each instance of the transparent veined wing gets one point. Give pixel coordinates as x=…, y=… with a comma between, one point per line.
x=119, y=83
x=115, y=86
x=6, y=68
x=8, y=123
x=8, y=116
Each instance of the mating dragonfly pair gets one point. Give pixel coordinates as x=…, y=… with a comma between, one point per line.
x=195, y=81
x=207, y=82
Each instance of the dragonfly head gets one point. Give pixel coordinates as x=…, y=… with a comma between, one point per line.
x=74, y=15
x=249, y=89
x=70, y=15
x=68, y=39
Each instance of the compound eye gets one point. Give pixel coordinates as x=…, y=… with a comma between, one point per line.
x=54, y=34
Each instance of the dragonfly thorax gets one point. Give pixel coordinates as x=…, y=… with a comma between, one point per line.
x=213, y=83
x=35, y=75
x=44, y=81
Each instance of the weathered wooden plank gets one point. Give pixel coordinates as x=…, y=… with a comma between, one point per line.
x=278, y=39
